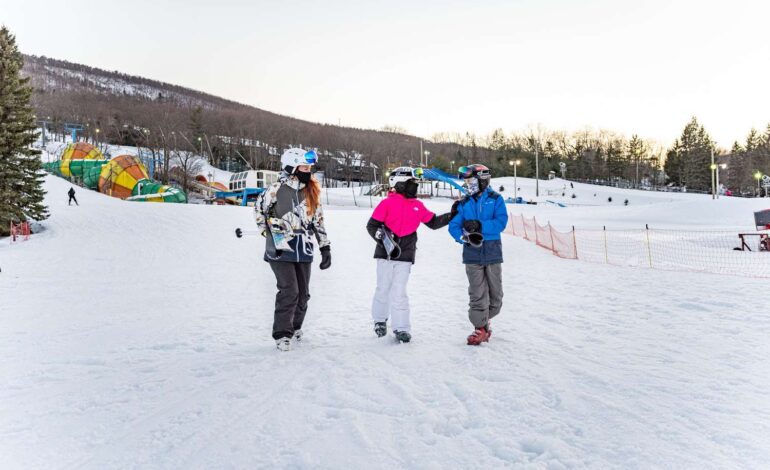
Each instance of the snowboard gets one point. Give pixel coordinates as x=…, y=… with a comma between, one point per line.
x=392, y=247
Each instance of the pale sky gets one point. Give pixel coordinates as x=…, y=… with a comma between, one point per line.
x=637, y=66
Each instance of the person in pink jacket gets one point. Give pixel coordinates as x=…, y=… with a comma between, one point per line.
x=393, y=225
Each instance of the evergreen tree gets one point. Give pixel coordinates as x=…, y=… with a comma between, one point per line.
x=500, y=151
x=687, y=163
x=673, y=165
x=613, y=152
x=637, y=152
x=753, y=140
x=766, y=137
x=21, y=177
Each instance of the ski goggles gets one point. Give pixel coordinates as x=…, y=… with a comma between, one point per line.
x=470, y=171
x=407, y=172
x=311, y=157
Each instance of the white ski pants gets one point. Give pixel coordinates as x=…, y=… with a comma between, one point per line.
x=390, y=299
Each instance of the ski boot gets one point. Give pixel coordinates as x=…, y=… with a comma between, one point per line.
x=479, y=335
x=402, y=336
x=297, y=336
x=381, y=328
x=283, y=344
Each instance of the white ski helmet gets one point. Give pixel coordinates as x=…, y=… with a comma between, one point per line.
x=403, y=174
x=294, y=157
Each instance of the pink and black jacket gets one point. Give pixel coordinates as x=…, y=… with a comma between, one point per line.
x=402, y=216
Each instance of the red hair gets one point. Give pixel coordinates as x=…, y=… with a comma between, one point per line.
x=312, y=195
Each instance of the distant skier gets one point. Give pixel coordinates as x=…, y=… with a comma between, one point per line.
x=481, y=217
x=289, y=213
x=71, y=194
x=393, y=225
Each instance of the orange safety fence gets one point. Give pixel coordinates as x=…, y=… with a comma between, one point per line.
x=715, y=251
x=20, y=231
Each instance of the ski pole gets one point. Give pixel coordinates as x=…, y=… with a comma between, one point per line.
x=240, y=233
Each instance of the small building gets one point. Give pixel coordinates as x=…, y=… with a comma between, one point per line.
x=350, y=167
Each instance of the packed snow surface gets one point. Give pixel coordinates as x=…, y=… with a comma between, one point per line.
x=138, y=336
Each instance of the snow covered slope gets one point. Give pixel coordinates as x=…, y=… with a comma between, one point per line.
x=138, y=335
x=592, y=208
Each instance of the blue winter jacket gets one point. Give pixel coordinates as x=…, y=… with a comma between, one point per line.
x=489, y=209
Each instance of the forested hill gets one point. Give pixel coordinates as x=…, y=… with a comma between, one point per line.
x=111, y=101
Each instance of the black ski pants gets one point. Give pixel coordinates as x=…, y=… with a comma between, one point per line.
x=293, y=282
x=72, y=198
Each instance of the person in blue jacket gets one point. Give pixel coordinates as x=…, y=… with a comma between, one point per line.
x=481, y=218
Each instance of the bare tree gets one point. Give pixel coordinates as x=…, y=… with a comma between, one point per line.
x=189, y=164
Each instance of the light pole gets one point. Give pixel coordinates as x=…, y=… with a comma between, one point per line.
x=713, y=176
x=421, y=152
x=427, y=153
x=537, y=172
x=515, y=164
x=452, y=167
x=200, y=140
x=720, y=166
x=758, y=176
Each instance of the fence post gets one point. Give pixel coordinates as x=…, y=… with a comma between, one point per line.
x=513, y=226
x=606, y=255
x=649, y=251
x=574, y=241
x=534, y=220
x=354, y=196
x=327, y=195
x=524, y=224
x=550, y=230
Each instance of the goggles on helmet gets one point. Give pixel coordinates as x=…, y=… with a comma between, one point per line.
x=477, y=170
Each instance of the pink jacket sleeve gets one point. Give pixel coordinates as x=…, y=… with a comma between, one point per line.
x=425, y=213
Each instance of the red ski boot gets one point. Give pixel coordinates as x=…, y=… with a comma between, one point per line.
x=480, y=335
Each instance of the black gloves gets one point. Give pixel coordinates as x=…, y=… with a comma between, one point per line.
x=472, y=226
x=455, y=208
x=326, y=257
x=472, y=233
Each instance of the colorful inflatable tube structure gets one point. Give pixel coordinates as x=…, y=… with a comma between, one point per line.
x=124, y=176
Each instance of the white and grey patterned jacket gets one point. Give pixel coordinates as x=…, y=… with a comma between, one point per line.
x=283, y=207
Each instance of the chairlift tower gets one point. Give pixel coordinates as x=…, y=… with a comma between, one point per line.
x=74, y=129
